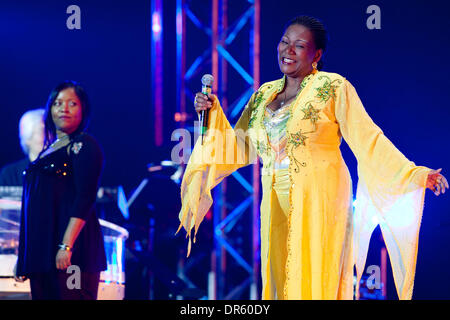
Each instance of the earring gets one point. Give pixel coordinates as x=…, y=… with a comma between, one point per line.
x=314, y=65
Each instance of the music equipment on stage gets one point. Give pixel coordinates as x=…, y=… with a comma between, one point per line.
x=144, y=218
x=153, y=250
x=112, y=281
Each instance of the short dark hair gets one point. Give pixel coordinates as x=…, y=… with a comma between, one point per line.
x=50, y=129
x=318, y=30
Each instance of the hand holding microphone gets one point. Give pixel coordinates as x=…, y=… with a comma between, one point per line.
x=203, y=102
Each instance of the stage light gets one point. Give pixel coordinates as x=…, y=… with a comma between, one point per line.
x=156, y=23
x=179, y=22
x=180, y=116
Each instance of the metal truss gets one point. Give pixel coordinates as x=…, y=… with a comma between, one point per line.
x=222, y=35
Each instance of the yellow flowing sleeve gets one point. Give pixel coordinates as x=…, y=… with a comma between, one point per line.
x=390, y=191
x=224, y=150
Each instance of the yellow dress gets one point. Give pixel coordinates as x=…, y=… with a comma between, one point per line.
x=310, y=235
x=278, y=210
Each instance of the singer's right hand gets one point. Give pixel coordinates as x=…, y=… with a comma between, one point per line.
x=203, y=102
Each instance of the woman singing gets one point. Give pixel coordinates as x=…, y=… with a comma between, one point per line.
x=59, y=227
x=310, y=237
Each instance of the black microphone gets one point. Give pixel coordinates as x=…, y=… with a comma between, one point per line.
x=207, y=81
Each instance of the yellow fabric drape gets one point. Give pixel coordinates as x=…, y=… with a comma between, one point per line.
x=390, y=191
x=278, y=211
x=223, y=151
x=323, y=238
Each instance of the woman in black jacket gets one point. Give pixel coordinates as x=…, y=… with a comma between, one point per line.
x=59, y=227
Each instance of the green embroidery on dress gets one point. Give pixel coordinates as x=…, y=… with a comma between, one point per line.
x=311, y=113
x=281, y=84
x=253, y=117
x=328, y=90
x=296, y=140
x=258, y=98
x=261, y=147
x=306, y=80
x=324, y=93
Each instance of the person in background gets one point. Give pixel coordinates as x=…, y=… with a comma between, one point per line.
x=59, y=227
x=31, y=134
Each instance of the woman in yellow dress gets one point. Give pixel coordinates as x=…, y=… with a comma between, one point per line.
x=311, y=238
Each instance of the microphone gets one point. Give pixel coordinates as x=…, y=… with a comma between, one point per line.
x=207, y=81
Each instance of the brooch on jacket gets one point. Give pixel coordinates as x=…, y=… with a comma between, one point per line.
x=77, y=147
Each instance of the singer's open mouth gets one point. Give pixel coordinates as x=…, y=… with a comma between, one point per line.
x=285, y=60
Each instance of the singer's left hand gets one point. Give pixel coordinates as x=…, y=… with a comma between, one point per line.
x=436, y=182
